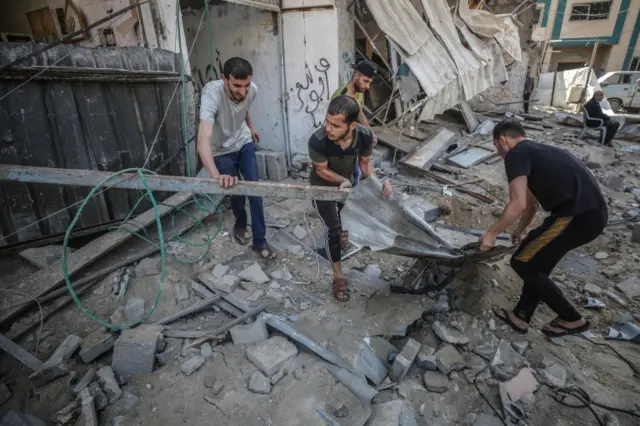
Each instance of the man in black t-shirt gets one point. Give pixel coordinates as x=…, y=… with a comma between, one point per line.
x=554, y=179
x=334, y=150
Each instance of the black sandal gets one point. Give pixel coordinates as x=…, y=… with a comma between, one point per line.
x=269, y=255
x=503, y=315
x=239, y=234
x=566, y=331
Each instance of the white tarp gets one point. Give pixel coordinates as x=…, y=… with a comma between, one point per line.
x=486, y=50
x=557, y=94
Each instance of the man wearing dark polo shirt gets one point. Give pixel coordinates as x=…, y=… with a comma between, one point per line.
x=553, y=178
x=334, y=150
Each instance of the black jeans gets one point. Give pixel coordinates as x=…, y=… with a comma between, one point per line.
x=612, y=128
x=525, y=99
x=540, y=252
x=329, y=212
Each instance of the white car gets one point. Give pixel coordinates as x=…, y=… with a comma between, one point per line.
x=621, y=88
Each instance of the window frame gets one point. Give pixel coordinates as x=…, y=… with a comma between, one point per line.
x=589, y=15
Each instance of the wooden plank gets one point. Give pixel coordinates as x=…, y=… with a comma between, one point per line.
x=469, y=116
x=395, y=139
x=19, y=353
x=41, y=282
x=186, y=185
x=429, y=151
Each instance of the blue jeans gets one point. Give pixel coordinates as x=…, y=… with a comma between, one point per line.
x=244, y=163
x=356, y=173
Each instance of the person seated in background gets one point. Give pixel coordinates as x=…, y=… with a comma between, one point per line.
x=595, y=112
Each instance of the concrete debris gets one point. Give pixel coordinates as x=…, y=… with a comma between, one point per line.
x=275, y=295
x=226, y=284
x=558, y=341
x=520, y=347
x=259, y=383
x=592, y=303
x=41, y=257
x=555, y=375
x=615, y=270
x=404, y=360
x=126, y=404
x=393, y=413
x=131, y=313
x=56, y=366
x=448, y=359
x=254, y=274
x=271, y=354
x=487, y=420
x=635, y=233
x=219, y=271
x=17, y=418
x=506, y=356
x=216, y=386
x=135, y=351
x=299, y=232
x=492, y=324
x=372, y=271
x=485, y=351
x=630, y=287
x=502, y=372
x=615, y=183
x=449, y=335
x=592, y=289
x=100, y=399
x=148, y=266
x=247, y=334
x=436, y=382
x=255, y=296
x=67, y=414
x=84, y=381
x=282, y=274
x=163, y=357
x=5, y=393
x=441, y=306
x=107, y=379
x=89, y=416
x=341, y=412
x=181, y=291
x=362, y=357
x=95, y=344
x=206, y=351
x=382, y=348
x=275, y=379
x=523, y=384
x=192, y=365
x=601, y=255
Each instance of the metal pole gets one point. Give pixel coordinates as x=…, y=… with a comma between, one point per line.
x=588, y=77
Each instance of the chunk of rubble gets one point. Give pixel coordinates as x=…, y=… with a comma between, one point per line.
x=247, y=334
x=404, y=360
x=254, y=274
x=555, y=375
x=219, y=271
x=485, y=419
x=126, y=404
x=427, y=358
x=56, y=366
x=393, y=413
x=135, y=351
x=299, y=232
x=520, y=347
x=486, y=351
x=95, y=344
x=18, y=418
x=373, y=271
x=226, y=284
x=282, y=274
x=601, y=255
x=205, y=350
x=630, y=287
x=592, y=289
x=523, y=384
x=85, y=381
x=259, y=383
x=271, y=354
x=100, y=399
x=448, y=359
x=192, y=365
x=107, y=380
x=89, y=416
x=148, y=266
x=449, y=335
x=66, y=415
x=436, y=382
x=506, y=356
x=132, y=312
x=5, y=393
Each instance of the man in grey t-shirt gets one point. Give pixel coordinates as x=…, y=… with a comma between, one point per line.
x=225, y=144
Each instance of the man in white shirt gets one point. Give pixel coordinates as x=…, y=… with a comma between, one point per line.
x=225, y=144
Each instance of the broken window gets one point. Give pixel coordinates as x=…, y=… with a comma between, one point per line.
x=635, y=64
x=590, y=11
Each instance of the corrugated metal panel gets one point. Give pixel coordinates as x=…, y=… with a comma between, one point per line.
x=89, y=125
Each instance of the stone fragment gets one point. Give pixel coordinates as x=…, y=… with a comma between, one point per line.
x=247, y=334
x=95, y=344
x=555, y=375
x=89, y=416
x=18, y=418
x=271, y=354
x=520, y=347
x=506, y=356
x=261, y=159
x=382, y=348
x=614, y=270
x=427, y=358
x=215, y=385
x=135, y=351
x=523, y=384
x=485, y=419
x=107, y=380
x=163, y=357
x=448, y=359
x=126, y=404
x=133, y=311
x=192, y=365
x=226, y=284
x=436, y=382
x=260, y=383
x=278, y=376
x=5, y=393
x=56, y=366
x=67, y=414
x=449, y=335
x=254, y=274
x=41, y=257
x=615, y=183
x=100, y=399
x=275, y=295
x=601, y=255
x=486, y=351
x=181, y=291
x=148, y=266
x=372, y=271
x=635, y=233
x=219, y=271
x=393, y=413
x=404, y=360
x=630, y=287
x=205, y=350
x=299, y=232
x=255, y=296
x=492, y=324
x=282, y=274
x=84, y=381
x=592, y=289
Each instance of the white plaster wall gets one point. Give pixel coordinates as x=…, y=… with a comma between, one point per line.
x=596, y=28
x=312, y=67
x=252, y=34
x=346, y=41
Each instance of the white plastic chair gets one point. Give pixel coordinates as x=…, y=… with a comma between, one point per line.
x=601, y=127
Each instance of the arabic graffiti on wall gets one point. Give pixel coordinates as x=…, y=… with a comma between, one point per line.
x=314, y=91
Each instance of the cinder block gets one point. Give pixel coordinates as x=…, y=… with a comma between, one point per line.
x=135, y=352
x=271, y=354
x=403, y=361
x=261, y=159
x=276, y=165
x=56, y=366
x=247, y=334
x=95, y=344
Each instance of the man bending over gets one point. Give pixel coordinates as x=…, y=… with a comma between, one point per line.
x=334, y=150
x=562, y=185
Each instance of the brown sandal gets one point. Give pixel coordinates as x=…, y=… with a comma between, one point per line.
x=339, y=289
x=344, y=240
x=240, y=235
x=265, y=252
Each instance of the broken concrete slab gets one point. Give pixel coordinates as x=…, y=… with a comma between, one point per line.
x=486, y=351
x=382, y=348
x=449, y=335
x=635, y=233
x=282, y=274
x=67, y=414
x=107, y=379
x=148, y=266
x=89, y=416
x=100, y=398
x=41, y=257
x=299, y=232
x=126, y=404
x=630, y=287
x=520, y=347
x=205, y=350
x=259, y=383
x=5, y=393
x=448, y=359
x=226, y=284
x=192, y=365
x=95, y=344
x=85, y=381
x=56, y=366
x=373, y=271
x=135, y=351
x=436, y=382
x=278, y=376
x=393, y=413
x=132, y=312
x=254, y=274
x=247, y=334
x=555, y=375
x=360, y=356
x=427, y=358
x=592, y=289
x=271, y=354
x=18, y=418
x=219, y=271
x=404, y=360
x=523, y=384
x=506, y=356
